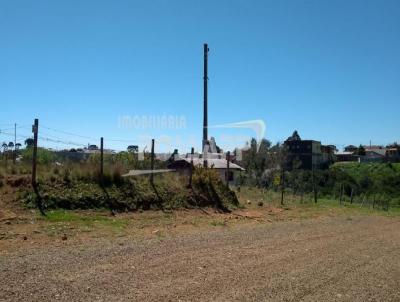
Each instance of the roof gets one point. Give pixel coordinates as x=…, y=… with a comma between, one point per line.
x=215, y=163
x=146, y=172
x=344, y=153
x=381, y=152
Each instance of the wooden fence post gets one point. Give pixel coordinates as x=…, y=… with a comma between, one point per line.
x=15, y=143
x=152, y=161
x=35, y=130
x=282, y=186
x=191, y=167
x=314, y=185
x=341, y=194
x=351, y=195
x=101, y=160
x=228, y=156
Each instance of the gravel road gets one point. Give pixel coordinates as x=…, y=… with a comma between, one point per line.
x=326, y=259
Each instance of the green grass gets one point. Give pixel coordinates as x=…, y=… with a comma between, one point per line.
x=308, y=208
x=85, y=221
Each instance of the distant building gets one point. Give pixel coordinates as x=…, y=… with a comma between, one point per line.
x=350, y=148
x=374, y=154
x=346, y=156
x=183, y=166
x=371, y=153
x=80, y=154
x=308, y=154
x=393, y=154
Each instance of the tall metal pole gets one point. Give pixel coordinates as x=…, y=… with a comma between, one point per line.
x=205, y=109
x=205, y=94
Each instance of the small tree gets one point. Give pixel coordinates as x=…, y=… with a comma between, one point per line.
x=29, y=142
x=361, y=150
x=133, y=149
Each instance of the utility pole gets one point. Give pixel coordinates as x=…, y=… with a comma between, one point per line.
x=35, y=130
x=205, y=95
x=101, y=159
x=152, y=161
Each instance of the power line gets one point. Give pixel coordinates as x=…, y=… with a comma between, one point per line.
x=57, y=139
x=69, y=133
x=61, y=141
x=87, y=137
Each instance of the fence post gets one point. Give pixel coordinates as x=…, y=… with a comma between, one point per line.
x=101, y=160
x=282, y=185
x=228, y=157
x=15, y=143
x=35, y=130
x=314, y=185
x=191, y=167
x=351, y=195
x=341, y=194
x=152, y=161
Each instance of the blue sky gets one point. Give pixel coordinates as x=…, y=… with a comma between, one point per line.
x=329, y=69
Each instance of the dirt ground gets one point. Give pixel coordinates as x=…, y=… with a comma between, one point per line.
x=339, y=258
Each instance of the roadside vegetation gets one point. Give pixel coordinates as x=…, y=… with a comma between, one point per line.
x=76, y=184
x=72, y=185
x=375, y=184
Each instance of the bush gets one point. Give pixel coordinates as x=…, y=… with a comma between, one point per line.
x=44, y=156
x=67, y=176
x=117, y=176
x=56, y=171
x=118, y=193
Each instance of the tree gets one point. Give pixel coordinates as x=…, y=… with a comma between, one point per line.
x=44, y=156
x=255, y=159
x=133, y=149
x=361, y=150
x=4, y=146
x=17, y=146
x=29, y=142
x=11, y=145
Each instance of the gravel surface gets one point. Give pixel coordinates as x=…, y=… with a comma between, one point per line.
x=326, y=259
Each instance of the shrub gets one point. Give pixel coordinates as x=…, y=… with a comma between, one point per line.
x=13, y=170
x=117, y=176
x=67, y=176
x=56, y=170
